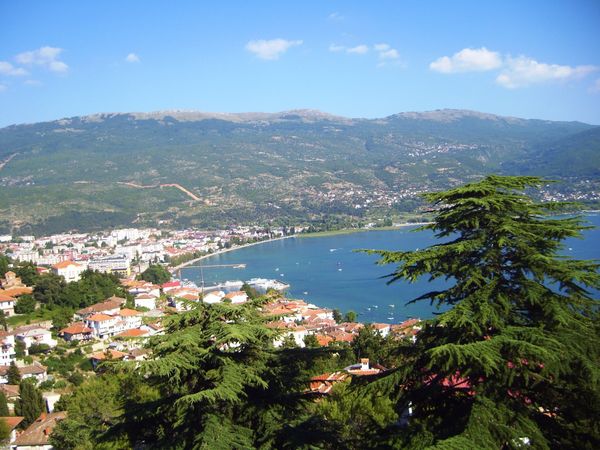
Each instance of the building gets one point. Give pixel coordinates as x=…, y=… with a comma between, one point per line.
x=110, y=306
x=12, y=423
x=213, y=297
x=7, y=304
x=35, y=336
x=145, y=301
x=77, y=331
x=119, y=265
x=69, y=270
x=10, y=280
x=37, y=435
x=102, y=325
x=7, y=348
x=237, y=297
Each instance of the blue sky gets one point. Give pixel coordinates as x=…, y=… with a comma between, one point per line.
x=533, y=59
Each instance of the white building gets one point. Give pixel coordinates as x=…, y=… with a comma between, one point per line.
x=213, y=297
x=7, y=305
x=69, y=270
x=145, y=301
x=36, y=336
x=7, y=348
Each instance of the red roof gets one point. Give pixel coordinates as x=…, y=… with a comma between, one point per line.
x=76, y=328
x=12, y=422
x=100, y=317
x=136, y=332
x=126, y=312
x=171, y=284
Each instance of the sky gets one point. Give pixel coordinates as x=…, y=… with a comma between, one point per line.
x=531, y=59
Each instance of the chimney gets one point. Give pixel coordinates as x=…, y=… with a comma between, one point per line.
x=364, y=364
x=47, y=431
x=42, y=416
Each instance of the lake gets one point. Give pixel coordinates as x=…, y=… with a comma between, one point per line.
x=327, y=271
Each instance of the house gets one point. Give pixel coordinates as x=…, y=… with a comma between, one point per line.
x=102, y=325
x=106, y=307
x=37, y=435
x=35, y=336
x=153, y=328
x=363, y=368
x=11, y=392
x=322, y=384
x=11, y=280
x=36, y=371
x=133, y=333
x=145, y=301
x=237, y=297
x=213, y=297
x=77, y=331
x=107, y=355
x=12, y=423
x=130, y=318
x=7, y=348
x=382, y=328
x=7, y=304
x=69, y=270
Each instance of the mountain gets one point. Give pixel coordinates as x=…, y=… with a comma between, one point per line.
x=183, y=168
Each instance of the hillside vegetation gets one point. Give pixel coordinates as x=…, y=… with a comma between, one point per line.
x=285, y=168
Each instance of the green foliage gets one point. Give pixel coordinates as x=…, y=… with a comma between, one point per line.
x=49, y=289
x=27, y=272
x=337, y=316
x=350, y=316
x=35, y=349
x=3, y=405
x=501, y=363
x=13, y=375
x=20, y=348
x=353, y=420
x=4, y=432
x=156, y=274
x=251, y=292
x=30, y=403
x=25, y=304
x=4, y=265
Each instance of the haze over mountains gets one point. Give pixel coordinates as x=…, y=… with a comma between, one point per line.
x=182, y=168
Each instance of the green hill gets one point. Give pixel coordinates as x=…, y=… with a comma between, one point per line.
x=284, y=168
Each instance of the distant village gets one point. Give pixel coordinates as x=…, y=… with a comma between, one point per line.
x=117, y=328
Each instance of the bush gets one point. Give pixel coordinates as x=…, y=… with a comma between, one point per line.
x=35, y=349
x=25, y=304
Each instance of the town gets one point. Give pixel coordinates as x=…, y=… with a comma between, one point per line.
x=53, y=349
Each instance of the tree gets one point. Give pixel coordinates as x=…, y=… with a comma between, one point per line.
x=210, y=366
x=337, y=316
x=25, y=304
x=30, y=403
x=20, y=348
x=3, y=322
x=13, y=375
x=5, y=432
x=28, y=273
x=500, y=366
x=4, y=264
x=3, y=405
x=156, y=274
x=49, y=289
x=350, y=316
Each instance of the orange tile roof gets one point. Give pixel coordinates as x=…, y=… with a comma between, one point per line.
x=12, y=422
x=65, y=264
x=324, y=340
x=136, y=332
x=16, y=291
x=126, y=312
x=38, y=433
x=6, y=298
x=99, y=317
x=76, y=328
x=115, y=354
x=99, y=307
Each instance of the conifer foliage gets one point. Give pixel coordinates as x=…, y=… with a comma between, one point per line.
x=206, y=367
x=515, y=355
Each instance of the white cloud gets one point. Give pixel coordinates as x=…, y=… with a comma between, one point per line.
x=2, y=87
x=524, y=71
x=468, y=60
x=7, y=68
x=595, y=88
x=132, y=58
x=270, y=49
x=385, y=51
x=336, y=48
x=359, y=49
x=335, y=17
x=47, y=57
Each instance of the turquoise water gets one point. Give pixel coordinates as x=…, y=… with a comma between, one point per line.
x=328, y=272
